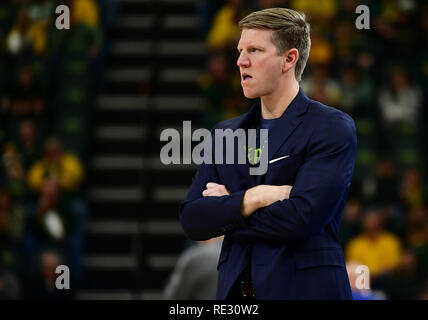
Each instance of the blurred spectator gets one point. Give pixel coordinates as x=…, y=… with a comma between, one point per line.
x=52, y=216
x=359, y=293
x=41, y=10
x=376, y=248
x=415, y=227
x=11, y=218
x=320, y=11
x=351, y=220
x=394, y=217
x=348, y=42
x=346, y=9
x=42, y=286
x=395, y=23
x=321, y=50
x=27, y=37
x=27, y=97
x=423, y=42
x=59, y=217
x=355, y=91
x=207, y=9
x=387, y=182
x=56, y=221
x=13, y=171
x=404, y=283
x=220, y=88
x=195, y=274
x=12, y=227
x=28, y=143
x=225, y=31
x=56, y=163
x=17, y=157
x=264, y=4
x=86, y=13
x=319, y=86
x=10, y=287
x=412, y=190
x=400, y=100
x=85, y=37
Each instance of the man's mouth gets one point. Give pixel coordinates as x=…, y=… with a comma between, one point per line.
x=246, y=77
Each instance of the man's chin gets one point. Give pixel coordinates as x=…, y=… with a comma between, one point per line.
x=250, y=95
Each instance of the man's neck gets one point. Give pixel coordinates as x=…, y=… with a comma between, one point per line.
x=274, y=105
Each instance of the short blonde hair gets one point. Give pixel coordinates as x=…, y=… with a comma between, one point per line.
x=290, y=30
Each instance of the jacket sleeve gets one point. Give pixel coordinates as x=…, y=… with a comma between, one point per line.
x=202, y=217
x=322, y=184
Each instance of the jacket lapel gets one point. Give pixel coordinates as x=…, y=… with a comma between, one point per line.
x=278, y=135
x=288, y=122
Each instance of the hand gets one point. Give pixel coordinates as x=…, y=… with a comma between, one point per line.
x=215, y=190
x=263, y=196
x=271, y=194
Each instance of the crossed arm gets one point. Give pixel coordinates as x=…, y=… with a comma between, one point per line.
x=277, y=213
x=254, y=198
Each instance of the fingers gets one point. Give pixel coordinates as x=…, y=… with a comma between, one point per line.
x=210, y=192
x=212, y=185
x=286, y=189
x=215, y=186
x=215, y=189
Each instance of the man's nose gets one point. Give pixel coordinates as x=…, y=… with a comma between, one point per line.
x=243, y=60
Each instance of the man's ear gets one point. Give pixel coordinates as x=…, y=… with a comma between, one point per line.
x=290, y=59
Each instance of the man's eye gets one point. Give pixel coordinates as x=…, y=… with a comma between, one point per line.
x=254, y=49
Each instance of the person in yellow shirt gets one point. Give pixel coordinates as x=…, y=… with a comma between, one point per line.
x=57, y=215
x=26, y=33
x=320, y=9
x=86, y=12
x=375, y=247
x=225, y=30
x=67, y=168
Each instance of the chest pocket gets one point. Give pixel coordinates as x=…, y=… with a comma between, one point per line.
x=284, y=171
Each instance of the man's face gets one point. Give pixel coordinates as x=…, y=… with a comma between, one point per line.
x=259, y=63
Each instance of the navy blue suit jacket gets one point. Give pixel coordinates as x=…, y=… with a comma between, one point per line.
x=292, y=245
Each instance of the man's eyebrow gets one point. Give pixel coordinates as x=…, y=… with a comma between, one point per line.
x=251, y=46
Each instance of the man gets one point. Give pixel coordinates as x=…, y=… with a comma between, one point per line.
x=195, y=275
x=281, y=227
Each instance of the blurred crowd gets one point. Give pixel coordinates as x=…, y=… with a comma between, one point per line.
x=45, y=93
x=379, y=77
